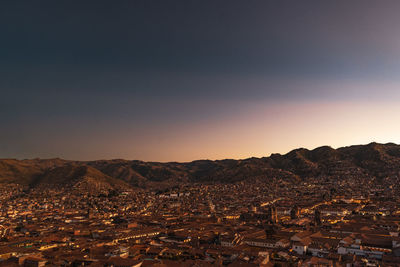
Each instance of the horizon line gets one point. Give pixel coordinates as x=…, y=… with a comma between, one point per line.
x=204, y=159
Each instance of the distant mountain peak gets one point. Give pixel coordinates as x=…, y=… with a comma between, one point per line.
x=374, y=159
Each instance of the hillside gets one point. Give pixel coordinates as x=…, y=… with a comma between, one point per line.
x=372, y=160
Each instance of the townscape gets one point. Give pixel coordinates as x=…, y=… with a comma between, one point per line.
x=316, y=222
x=192, y=133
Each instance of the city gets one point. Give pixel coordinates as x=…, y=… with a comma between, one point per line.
x=168, y=133
x=313, y=223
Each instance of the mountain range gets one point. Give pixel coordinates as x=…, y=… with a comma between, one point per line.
x=372, y=160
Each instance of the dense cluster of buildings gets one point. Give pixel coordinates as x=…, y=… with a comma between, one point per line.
x=318, y=222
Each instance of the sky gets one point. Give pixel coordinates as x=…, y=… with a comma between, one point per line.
x=186, y=80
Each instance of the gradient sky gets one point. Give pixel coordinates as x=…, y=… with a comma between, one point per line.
x=184, y=80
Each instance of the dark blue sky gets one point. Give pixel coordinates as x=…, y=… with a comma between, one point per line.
x=178, y=80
